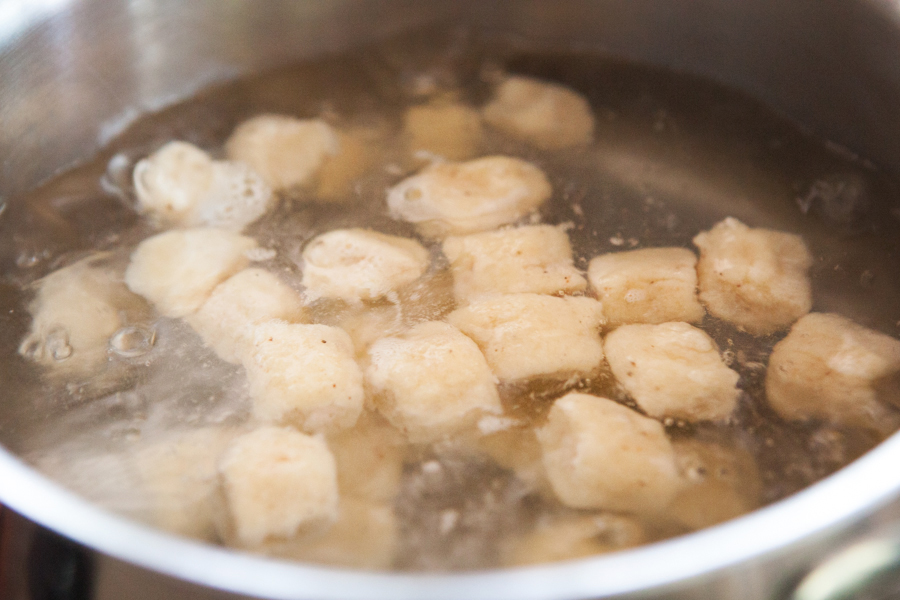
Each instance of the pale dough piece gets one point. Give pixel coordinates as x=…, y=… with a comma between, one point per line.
x=340, y=172
x=75, y=312
x=286, y=151
x=363, y=537
x=304, y=375
x=178, y=270
x=720, y=484
x=533, y=335
x=754, y=278
x=225, y=321
x=180, y=476
x=369, y=458
x=533, y=258
x=358, y=264
x=277, y=482
x=572, y=536
x=447, y=129
x=547, y=115
x=651, y=285
x=180, y=185
x=431, y=381
x=672, y=370
x=459, y=198
x=830, y=368
x=517, y=448
x=600, y=454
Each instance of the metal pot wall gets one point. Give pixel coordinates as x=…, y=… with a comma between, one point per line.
x=73, y=73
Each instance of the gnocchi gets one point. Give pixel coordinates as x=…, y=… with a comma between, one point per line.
x=456, y=198
x=532, y=258
x=672, y=370
x=532, y=335
x=754, y=278
x=545, y=114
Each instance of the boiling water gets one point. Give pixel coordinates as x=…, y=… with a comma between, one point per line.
x=673, y=155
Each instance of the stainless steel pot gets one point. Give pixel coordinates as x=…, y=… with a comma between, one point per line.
x=73, y=73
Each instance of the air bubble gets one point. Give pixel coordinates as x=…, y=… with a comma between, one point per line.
x=116, y=181
x=32, y=349
x=28, y=260
x=728, y=357
x=133, y=341
x=57, y=344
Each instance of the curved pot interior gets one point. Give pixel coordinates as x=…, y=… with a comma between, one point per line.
x=73, y=74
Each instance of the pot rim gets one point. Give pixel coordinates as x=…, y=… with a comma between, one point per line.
x=853, y=491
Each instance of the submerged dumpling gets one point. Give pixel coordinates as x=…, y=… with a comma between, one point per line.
x=364, y=536
x=179, y=474
x=178, y=270
x=545, y=114
x=227, y=319
x=447, y=129
x=575, y=535
x=277, y=482
x=286, y=151
x=75, y=312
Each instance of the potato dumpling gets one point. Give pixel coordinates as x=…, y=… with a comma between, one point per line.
x=547, y=115
x=533, y=258
x=431, y=381
x=178, y=270
x=358, y=264
x=721, y=483
x=286, y=151
x=754, y=278
x=364, y=536
x=369, y=458
x=672, y=370
x=447, y=129
x=225, y=321
x=533, y=335
x=574, y=535
x=651, y=285
x=456, y=198
x=830, y=368
x=75, y=312
x=277, y=482
x=517, y=448
x=340, y=172
x=180, y=185
x=304, y=375
x=180, y=474
x=600, y=454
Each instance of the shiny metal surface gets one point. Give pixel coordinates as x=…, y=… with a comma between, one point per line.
x=74, y=73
